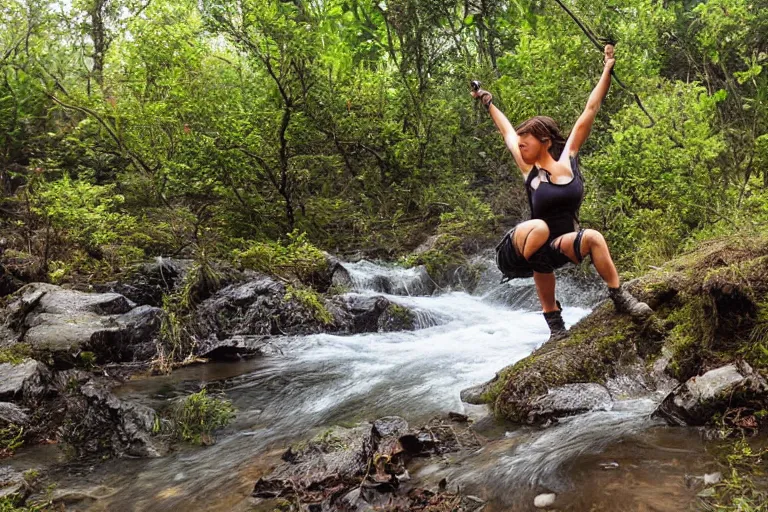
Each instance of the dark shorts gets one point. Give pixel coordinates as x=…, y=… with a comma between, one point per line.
x=546, y=260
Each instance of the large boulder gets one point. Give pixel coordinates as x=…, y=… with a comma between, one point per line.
x=97, y=422
x=568, y=400
x=63, y=323
x=696, y=401
x=240, y=315
x=254, y=308
x=147, y=283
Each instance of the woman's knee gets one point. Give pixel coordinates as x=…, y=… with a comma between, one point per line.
x=593, y=239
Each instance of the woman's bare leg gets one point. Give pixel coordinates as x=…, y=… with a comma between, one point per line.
x=530, y=236
x=545, y=288
x=592, y=244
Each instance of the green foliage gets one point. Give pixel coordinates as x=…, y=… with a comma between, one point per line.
x=298, y=257
x=196, y=417
x=309, y=298
x=11, y=439
x=13, y=504
x=207, y=123
x=741, y=488
x=87, y=359
x=177, y=341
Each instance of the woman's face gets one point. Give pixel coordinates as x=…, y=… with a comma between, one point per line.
x=530, y=148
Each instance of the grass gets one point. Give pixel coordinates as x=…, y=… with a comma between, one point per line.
x=11, y=439
x=743, y=487
x=199, y=415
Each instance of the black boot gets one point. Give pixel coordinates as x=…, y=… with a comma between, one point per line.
x=626, y=303
x=557, y=330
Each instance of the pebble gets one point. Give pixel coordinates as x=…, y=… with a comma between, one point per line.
x=544, y=500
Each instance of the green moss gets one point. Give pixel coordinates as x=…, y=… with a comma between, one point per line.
x=310, y=299
x=692, y=334
x=15, y=354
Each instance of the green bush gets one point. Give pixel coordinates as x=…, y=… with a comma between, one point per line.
x=196, y=417
x=298, y=257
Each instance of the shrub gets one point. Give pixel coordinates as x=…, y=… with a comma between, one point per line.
x=197, y=416
x=298, y=257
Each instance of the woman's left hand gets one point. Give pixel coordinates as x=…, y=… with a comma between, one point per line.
x=610, y=60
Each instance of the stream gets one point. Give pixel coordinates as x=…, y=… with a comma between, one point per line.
x=603, y=460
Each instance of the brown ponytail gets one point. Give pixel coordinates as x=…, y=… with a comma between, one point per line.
x=544, y=128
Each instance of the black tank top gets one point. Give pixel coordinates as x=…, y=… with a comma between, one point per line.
x=557, y=205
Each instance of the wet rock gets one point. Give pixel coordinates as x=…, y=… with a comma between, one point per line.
x=396, y=318
x=233, y=348
x=390, y=426
x=326, y=461
x=712, y=478
x=80, y=495
x=544, y=500
x=570, y=399
x=146, y=283
x=362, y=467
x=25, y=381
x=11, y=413
x=696, y=401
x=475, y=394
x=13, y=484
x=255, y=307
x=62, y=323
x=97, y=422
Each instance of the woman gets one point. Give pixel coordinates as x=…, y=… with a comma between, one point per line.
x=555, y=189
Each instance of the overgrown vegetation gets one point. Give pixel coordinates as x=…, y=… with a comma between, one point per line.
x=196, y=417
x=176, y=342
x=297, y=258
x=138, y=129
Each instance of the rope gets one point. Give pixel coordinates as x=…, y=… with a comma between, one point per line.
x=600, y=44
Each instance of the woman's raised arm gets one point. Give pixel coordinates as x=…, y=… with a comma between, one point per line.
x=583, y=125
x=504, y=126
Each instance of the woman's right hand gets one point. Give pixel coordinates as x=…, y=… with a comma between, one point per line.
x=484, y=96
x=610, y=59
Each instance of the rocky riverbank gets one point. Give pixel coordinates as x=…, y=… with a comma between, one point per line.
x=710, y=309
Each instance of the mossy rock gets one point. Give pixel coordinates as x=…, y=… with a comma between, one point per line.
x=397, y=318
x=711, y=308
